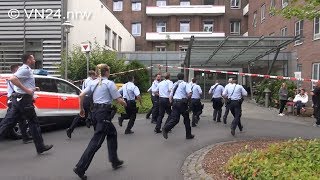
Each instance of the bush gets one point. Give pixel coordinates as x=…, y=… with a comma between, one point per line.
x=295, y=159
x=146, y=102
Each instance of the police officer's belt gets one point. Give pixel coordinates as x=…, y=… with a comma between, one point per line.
x=19, y=95
x=130, y=100
x=183, y=100
x=95, y=105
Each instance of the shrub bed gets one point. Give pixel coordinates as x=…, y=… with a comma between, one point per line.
x=295, y=159
x=146, y=102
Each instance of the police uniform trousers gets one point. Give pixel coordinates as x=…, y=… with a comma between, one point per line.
x=155, y=108
x=196, y=108
x=316, y=113
x=179, y=107
x=164, y=107
x=131, y=113
x=217, y=104
x=22, y=107
x=101, y=114
x=78, y=118
x=235, y=108
x=226, y=113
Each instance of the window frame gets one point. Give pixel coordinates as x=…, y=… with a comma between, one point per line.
x=263, y=13
x=119, y=43
x=138, y=28
x=316, y=36
x=136, y=6
x=184, y=22
x=299, y=32
x=107, y=36
x=235, y=33
x=161, y=26
x=234, y=6
x=209, y=24
x=185, y=3
x=161, y=48
x=161, y=3
x=254, y=21
x=114, y=40
x=116, y=6
x=313, y=73
x=272, y=5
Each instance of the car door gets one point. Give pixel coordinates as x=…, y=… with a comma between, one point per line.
x=69, y=103
x=47, y=99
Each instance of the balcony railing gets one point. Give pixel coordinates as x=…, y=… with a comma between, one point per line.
x=201, y=10
x=178, y=36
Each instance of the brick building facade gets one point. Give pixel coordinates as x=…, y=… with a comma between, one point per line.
x=305, y=52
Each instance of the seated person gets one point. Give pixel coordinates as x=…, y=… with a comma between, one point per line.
x=300, y=101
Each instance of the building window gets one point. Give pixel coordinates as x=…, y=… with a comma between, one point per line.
x=136, y=29
x=183, y=48
x=119, y=44
x=161, y=2
x=316, y=34
x=208, y=26
x=184, y=26
x=107, y=36
x=284, y=3
x=263, y=12
x=184, y=3
x=254, y=22
x=136, y=6
x=298, y=31
x=272, y=6
x=114, y=40
x=315, y=72
x=284, y=31
x=161, y=27
x=117, y=5
x=235, y=28
x=208, y=2
x=235, y=4
x=160, y=48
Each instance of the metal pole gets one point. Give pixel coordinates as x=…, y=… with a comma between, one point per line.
x=250, y=82
x=66, y=63
x=204, y=86
x=87, y=54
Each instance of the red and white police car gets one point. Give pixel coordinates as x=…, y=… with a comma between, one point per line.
x=57, y=101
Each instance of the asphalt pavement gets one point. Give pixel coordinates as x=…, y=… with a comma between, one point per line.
x=147, y=155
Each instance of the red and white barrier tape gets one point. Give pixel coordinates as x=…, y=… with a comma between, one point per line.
x=245, y=74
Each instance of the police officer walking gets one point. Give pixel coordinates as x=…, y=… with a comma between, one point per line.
x=104, y=91
x=179, y=96
x=22, y=122
x=234, y=93
x=217, y=100
x=196, y=105
x=86, y=105
x=155, y=98
x=164, y=88
x=22, y=103
x=226, y=112
x=130, y=92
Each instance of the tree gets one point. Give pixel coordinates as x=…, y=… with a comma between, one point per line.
x=301, y=9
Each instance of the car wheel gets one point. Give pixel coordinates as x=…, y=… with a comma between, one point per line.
x=15, y=132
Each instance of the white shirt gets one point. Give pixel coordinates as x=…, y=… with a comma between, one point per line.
x=154, y=87
x=164, y=88
x=196, y=91
x=129, y=91
x=303, y=98
x=216, y=90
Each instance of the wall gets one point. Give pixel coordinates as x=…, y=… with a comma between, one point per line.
x=93, y=29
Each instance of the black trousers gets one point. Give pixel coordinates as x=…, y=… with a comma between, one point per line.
x=155, y=108
x=104, y=128
x=282, y=105
x=131, y=113
x=78, y=118
x=196, y=108
x=22, y=107
x=217, y=108
x=179, y=108
x=164, y=107
x=235, y=108
x=316, y=113
x=226, y=112
x=299, y=105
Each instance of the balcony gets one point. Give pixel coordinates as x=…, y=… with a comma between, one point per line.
x=178, y=36
x=201, y=10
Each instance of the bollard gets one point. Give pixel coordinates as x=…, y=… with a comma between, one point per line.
x=267, y=96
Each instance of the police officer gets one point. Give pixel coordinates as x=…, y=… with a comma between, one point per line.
x=155, y=98
x=179, y=96
x=130, y=92
x=226, y=112
x=22, y=103
x=234, y=93
x=86, y=105
x=104, y=91
x=217, y=101
x=164, y=88
x=196, y=105
x=22, y=122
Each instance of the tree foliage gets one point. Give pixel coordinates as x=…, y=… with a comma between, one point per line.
x=301, y=9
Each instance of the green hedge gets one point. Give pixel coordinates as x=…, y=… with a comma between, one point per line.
x=295, y=159
x=146, y=102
